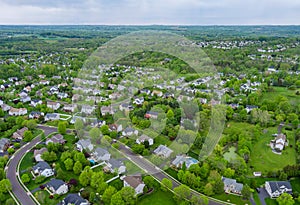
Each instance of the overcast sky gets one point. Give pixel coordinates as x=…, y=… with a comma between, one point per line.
x=140, y=12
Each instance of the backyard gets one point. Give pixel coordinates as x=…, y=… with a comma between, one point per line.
x=157, y=198
x=264, y=160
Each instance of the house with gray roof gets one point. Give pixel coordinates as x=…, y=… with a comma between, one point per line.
x=181, y=159
x=114, y=165
x=4, y=143
x=163, y=151
x=38, y=154
x=57, y=186
x=74, y=199
x=276, y=188
x=130, y=131
x=84, y=144
x=58, y=138
x=101, y=154
x=231, y=186
x=144, y=138
x=43, y=169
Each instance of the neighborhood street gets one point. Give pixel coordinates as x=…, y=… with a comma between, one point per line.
x=156, y=172
x=11, y=172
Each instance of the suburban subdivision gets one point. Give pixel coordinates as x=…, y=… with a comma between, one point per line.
x=215, y=121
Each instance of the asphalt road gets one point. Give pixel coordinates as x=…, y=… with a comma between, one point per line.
x=154, y=171
x=11, y=172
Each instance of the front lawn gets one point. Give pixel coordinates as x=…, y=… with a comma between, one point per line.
x=158, y=197
x=232, y=198
x=27, y=162
x=270, y=201
x=230, y=155
x=264, y=160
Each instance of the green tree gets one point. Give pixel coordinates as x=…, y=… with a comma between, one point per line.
x=166, y=184
x=104, y=130
x=149, y=181
x=85, y=176
x=10, y=201
x=170, y=114
x=28, y=136
x=117, y=199
x=208, y=189
x=246, y=192
x=97, y=181
x=5, y=186
x=62, y=128
x=199, y=200
x=49, y=156
x=25, y=178
x=78, y=124
x=95, y=133
x=108, y=193
x=128, y=195
x=77, y=167
x=285, y=199
x=182, y=193
x=68, y=164
x=31, y=124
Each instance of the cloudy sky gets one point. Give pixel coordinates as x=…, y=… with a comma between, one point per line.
x=140, y=12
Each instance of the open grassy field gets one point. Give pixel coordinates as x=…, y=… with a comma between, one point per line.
x=277, y=91
x=158, y=197
x=264, y=160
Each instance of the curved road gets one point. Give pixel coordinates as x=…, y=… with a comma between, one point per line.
x=11, y=170
x=157, y=173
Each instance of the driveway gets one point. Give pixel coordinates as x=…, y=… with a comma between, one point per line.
x=262, y=195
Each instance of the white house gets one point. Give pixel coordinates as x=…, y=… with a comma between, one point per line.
x=101, y=154
x=135, y=182
x=57, y=186
x=181, y=159
x=107, y=110
x=276, y=188
x=36, y=102
x=17, y=112
x=53, y=105
x=163, y=151
x=130, y=131
x=144, y=138
x=43, y=169
x=87, y=109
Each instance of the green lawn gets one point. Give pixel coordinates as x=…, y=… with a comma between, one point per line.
x=295, y=182
x=157, y=198
x=232, y=198
x=27, y=162
x=277, y=91
x=230, y=155
x=256, y=198
x=264, y=160
x=270, y=201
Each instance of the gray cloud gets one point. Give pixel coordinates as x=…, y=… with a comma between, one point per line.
x=149, y=12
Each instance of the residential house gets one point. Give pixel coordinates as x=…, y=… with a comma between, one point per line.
x=84, y=144
x=125, y=107
x=36, y=102
x=44, y=82
x=151, y=114
x=181, y=159
x=279, y=142
x=37, y=154
x=69, y=107
x=4, y=143
x=115, y=127
x=144, y=138
x=138, y=100
x=249, y=108
x=43, y=169
x=107, y=110
x=19, y=134
x=35, y=115
x=57, y=186
x=17, y=112
x=136, y=182
x=231, y=186
x=87, y=109
x=145, y=91
x=74, y=199
x=114, y=165
x=53, y=105
x=25, y=99
x=61, y=95
x=51, y=116
x=276, y=188
x=101, y=154
x=5, y=107
x=58, y=138
x=163, y=151
x=130, y=131
x=157, y=93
